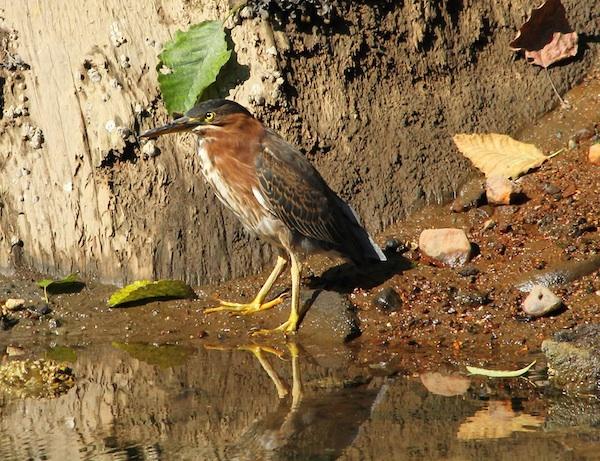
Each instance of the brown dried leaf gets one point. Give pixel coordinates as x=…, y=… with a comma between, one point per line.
x=499, y=154
x=546, y=37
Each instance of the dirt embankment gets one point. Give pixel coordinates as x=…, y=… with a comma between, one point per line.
x=373, y=97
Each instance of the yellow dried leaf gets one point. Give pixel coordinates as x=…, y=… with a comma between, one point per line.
x=499, y=154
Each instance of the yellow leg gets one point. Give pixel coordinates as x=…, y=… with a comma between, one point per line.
x=296, y=378
x=257, y=304
x=282, y=390
x=291, y=324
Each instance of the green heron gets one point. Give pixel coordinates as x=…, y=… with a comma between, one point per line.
x=275, y=192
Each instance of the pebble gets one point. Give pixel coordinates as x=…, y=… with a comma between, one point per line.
x=110, y=126
x=470, y=196
x=388, y=300
x=14, y=351
x=449, y=246
x=53, y=323
x=6, y=323
x=550, y=188
x=471, y=298
x=124, y=61
x=540, y=301
x=500, y=190
x=43, y=309
x=150, y=149
x=94, y=75
x=13, y=304
x=594, y=154
x=468, y=271
x=116, y=36
x=393, y=245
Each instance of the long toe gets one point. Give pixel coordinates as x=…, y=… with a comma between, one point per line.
x=244, y=308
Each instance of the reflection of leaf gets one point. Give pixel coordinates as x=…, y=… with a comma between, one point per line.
x=62, y=354
x=546, y=36
x=499, y=154
x=195, y=58
x=164, y=356
x=497, y=421
x=446, y=385
x=499, y=373
x=147, y=289
x=65, y=282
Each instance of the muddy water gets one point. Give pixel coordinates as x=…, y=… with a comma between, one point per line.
x=148, y=402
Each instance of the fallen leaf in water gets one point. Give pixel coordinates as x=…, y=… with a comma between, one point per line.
x=499, y=373
x=499, y=154
x=147, y=289
x=546, y=37
x=446, y=385
x=497, y=421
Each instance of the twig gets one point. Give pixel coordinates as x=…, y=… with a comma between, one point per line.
x=560, y=151
x=564, y=104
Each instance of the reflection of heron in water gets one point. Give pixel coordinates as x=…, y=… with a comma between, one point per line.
x=322, y=423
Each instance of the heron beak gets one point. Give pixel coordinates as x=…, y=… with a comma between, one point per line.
x=181, y=124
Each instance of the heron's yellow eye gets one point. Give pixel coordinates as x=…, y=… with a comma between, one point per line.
x=209, y=117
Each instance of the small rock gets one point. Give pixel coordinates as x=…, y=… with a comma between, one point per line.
x=594, y=154
x=574, y=358
x=471, y=195
x=393, y=245
x=150, y=149
x=330, y=319
x=541, y=301
x=388, y=300
x=124, y=61
x=449, y=246
x=14, y=351
x=468, y=271
x=53, y=323
x=500, y=190
x=115, y=84
x=116, y=37
x=572, y=144
x=471, y=298
x=582, y=135
x=43, y=309
x=14, y=304
x=94, y=75
x=550, y=188
x=6, y=323
x=110, y=126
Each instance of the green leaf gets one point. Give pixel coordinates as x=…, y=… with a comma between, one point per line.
x=147, y=289
x=195, y=58
x=70, y=280
x=500, y=373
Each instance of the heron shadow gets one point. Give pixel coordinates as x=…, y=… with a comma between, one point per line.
x=344, y=278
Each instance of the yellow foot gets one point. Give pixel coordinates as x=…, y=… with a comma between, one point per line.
x=289, y=327
x=245, y=309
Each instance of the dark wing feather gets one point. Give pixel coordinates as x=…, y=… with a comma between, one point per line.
x=297, y=194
